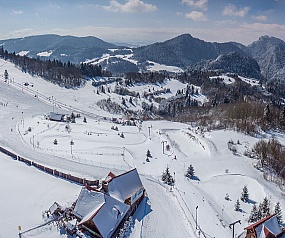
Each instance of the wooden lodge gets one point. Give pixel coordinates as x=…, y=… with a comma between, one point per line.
x=102, y=211
x=267, y=227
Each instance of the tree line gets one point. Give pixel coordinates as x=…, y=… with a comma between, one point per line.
x=64, y=74
x=271, y=156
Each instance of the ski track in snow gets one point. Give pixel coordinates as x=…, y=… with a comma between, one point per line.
x=172, y=213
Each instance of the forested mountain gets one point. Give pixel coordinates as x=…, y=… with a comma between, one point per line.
x=184, y=51
x=270, y=55
x=64, y=48
x=233, y=62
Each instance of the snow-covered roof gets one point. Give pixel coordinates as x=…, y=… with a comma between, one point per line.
x=256, y=224
x=88, y=203
x=123, y=186
x=270, y=225
x=55, y=116
x=70, y=225
x=109, y=177
x=53, y=207
x=109, y=216
x=105, y=211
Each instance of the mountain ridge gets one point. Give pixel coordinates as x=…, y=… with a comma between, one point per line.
x=184, y=51
x=269, y=52
x=64, y=48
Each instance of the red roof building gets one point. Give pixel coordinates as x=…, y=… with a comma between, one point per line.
x=103, y=211
x=267, y=227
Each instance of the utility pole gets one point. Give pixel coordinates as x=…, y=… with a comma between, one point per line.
x=23, y=118
x=196, y=217
x=233, y=225
x=71, y=144
x=162, y=142
x=52, y=103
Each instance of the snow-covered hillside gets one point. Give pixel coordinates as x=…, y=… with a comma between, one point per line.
x=128, y=57
x=169, y=212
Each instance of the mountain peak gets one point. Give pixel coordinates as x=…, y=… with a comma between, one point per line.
x=182, y=38
x=270, y=54
x=185, y=35
x=265, y=37
x=269, y=39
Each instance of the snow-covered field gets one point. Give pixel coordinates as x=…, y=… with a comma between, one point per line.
x=153, y=66
x=26, y=192
x=230, y=80
x=226, y=79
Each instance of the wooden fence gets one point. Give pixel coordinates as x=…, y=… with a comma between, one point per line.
x=48, y=170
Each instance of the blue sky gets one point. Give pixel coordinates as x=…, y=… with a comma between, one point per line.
x=145, y=21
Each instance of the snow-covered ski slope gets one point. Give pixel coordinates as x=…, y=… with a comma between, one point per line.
x=169, y=212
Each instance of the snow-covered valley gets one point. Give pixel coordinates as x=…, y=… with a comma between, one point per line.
x=27, y=192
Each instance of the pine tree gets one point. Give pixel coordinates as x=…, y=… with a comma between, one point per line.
x=278, y=212
x=148, y=154
x=190, y=172
x=6, y=75
x=265, y=207
x=84, y=120
x=259, y=212
x=167, y=177
x=253, y=217
x=244, y=194
x=165, y=174
x=237, y=205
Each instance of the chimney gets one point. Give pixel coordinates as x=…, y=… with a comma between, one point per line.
x=105, y=186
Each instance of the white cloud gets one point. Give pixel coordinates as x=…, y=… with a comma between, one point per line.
x=222, y=32
x=232, y=10
x=18, y=12
x=202, y=4
x=260, y=18
x=54, y=6
x=196, y=16
x=130, y=6
x=244, y=33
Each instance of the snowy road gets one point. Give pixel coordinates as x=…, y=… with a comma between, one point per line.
x=21, y=106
